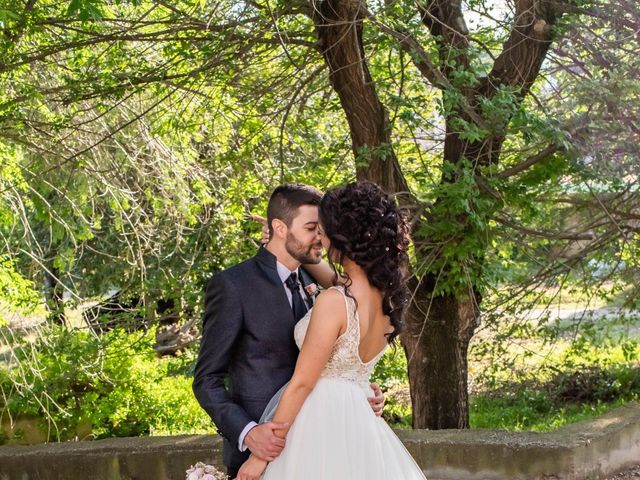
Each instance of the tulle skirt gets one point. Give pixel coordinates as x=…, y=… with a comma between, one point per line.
x=336, y=436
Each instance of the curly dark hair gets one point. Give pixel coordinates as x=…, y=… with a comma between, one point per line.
x=365, y=225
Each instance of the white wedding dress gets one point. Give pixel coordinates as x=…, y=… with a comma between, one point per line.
x=336, y=435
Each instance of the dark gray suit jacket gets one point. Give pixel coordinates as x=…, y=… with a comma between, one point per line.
x=248, y=351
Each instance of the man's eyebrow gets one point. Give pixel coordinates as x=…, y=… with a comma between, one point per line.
x=311, y=223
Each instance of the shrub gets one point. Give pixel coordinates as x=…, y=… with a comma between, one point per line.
x=569, y=396
x=114, y=382
x=391, y=370
x=391, y=374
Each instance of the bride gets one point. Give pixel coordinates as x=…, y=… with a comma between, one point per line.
x=333, y=432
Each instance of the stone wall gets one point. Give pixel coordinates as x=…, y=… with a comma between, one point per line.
x=583, y=451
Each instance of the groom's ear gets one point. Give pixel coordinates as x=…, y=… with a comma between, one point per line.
x=279, y=228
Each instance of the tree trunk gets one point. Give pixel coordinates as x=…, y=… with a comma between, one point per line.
x=54, y=297
x=436, y=343
x=439, y=327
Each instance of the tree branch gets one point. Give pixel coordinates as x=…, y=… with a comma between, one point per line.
x=518, y=65
x=420, y=58
x=529, y=162
x=339, y=27
x=544, y=234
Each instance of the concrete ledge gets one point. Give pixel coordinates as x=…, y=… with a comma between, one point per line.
x=588, y=450
x=157, y=458
x=583, y=451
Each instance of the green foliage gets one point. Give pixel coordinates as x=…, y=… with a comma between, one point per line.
x=115, y=383
x=391, y=370
x=569, y=396
x=579, y=385
x=16, y=292
x=533, y=385
x=458, y=238
x=531, y=411
x=545, y=379
x=391, y=375
x=85, y=9
x=153, y=197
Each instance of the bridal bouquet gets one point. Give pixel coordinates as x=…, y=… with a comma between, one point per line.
x=201, y=471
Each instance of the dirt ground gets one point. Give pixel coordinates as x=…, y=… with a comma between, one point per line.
x=631, y=474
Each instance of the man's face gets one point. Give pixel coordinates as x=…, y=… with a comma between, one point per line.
x=303, y=240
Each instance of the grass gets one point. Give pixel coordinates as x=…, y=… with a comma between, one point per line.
x=538, y=405
x=532, y=411
x=530, y=382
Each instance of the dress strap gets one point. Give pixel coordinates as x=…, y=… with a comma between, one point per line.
x=350, y=304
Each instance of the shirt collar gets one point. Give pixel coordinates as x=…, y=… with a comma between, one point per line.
x=284, y=272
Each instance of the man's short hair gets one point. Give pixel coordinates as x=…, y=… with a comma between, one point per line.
x=286, y=199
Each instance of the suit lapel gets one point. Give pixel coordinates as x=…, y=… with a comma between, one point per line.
x=267, y=263
x=306, y=280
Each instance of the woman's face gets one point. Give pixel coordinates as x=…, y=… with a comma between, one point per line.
x=326, y=244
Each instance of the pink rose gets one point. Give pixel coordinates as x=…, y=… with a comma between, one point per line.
x=311, y=289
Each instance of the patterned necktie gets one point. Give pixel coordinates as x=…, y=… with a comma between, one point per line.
x=297, y=303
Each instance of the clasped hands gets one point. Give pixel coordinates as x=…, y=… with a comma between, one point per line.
x=266, y=446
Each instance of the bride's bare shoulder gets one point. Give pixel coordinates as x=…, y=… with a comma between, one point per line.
x=329, y=298
x=329, y=310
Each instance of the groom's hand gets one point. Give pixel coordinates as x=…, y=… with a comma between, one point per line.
x=377, y=401
x=263, y=443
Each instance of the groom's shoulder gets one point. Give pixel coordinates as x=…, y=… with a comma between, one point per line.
x=239, y=270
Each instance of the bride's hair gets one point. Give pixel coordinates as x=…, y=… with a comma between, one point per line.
x=365, y=225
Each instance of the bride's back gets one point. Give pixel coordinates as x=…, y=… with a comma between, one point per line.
x=374, y=324
x=354, y=355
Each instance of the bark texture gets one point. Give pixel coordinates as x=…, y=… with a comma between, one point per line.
x=54, y=297
x=339, y=27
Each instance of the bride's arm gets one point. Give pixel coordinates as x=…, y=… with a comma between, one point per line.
x=321, y=273
x=328, y=321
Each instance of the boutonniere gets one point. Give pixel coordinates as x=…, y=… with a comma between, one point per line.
x=312, y=290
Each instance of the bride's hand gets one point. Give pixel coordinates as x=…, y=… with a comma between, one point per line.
x=265, y=228
x=252, y=468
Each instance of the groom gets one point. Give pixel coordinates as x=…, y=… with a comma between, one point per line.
x=248, y=351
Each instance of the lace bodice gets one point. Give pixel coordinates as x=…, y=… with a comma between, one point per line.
x=344, y=361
